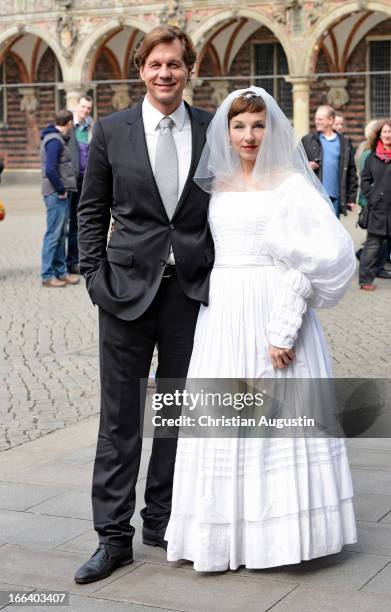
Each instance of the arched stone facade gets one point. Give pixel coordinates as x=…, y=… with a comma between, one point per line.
x=66, y=48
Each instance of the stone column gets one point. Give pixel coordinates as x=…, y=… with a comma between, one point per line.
x=301, y=104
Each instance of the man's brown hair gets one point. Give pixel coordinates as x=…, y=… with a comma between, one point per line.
x=165, y=34
x=62, y=117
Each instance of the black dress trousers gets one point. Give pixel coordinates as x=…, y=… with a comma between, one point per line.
x=126, y=349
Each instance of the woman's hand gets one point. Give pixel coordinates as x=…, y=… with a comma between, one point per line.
x=281, y=357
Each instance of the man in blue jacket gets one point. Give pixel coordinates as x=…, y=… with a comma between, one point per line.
x=58, y=183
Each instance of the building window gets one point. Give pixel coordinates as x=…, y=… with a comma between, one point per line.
x=3, y=95
x=379, y=88
x=270, y=59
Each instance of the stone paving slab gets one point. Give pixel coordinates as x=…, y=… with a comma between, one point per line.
x=27, y=529
x=304, y=599
x=158, y=585
x=376, y=444
x=72, y=504
x=376, y=459
x=48, y=569
x=387, y=518
x=368, y=482
x=58, y=473
x=82, y=456
x=76, y=503
x=372, y=538
x=344, y=571
x=381, y=582
x=55, y=447
x=17, y=496
x=372, y=508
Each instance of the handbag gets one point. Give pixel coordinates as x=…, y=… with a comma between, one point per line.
x=363, y=218
x=2, y=211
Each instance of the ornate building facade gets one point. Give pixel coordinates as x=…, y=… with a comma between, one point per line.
x=303, y=52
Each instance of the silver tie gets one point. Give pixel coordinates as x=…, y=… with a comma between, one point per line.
x=166, y=166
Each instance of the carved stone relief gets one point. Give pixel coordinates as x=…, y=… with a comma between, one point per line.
x=67, y=34
x=121, y=98
x=292, y=14
x=337, y=96
x=29, y=102
x=173, y=14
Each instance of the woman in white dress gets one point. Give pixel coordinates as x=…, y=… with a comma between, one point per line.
x=279, y=250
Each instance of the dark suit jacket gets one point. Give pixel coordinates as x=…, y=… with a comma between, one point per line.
x=124, y=277
x=348, y=182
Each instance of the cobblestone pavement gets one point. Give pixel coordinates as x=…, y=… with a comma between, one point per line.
x=49, y=357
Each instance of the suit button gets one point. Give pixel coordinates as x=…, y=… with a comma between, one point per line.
x=162, y=262
x=172, y=226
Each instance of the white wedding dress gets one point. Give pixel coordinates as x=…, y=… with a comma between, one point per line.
x=265, y=502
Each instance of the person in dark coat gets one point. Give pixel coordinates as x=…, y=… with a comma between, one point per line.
x=376, y=187
x=331, y=157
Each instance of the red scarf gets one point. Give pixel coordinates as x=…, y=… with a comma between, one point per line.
x=382, y=153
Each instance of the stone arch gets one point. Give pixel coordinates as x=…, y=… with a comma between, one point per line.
x=7, y=35
x=206, y=29
x=84, y=55
x=329, y=19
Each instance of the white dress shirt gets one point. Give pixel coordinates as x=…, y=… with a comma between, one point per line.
x=181, y=132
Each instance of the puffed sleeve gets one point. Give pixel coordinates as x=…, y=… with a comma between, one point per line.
x=306, y=239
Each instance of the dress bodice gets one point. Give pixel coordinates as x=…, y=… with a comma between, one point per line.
x=238, y=220
x=294, y=226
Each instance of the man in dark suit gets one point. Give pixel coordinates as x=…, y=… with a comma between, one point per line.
x=148, y=282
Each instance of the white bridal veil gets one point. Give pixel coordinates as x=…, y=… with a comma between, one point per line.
x=281, y=152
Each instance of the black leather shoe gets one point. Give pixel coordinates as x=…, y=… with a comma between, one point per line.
x=154, y=537
x=103, y=562
x=383, y=274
